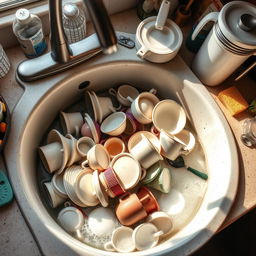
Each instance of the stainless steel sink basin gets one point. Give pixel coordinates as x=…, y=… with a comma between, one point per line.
x=41, y=103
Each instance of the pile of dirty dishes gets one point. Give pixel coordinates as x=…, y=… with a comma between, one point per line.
x=111, y=157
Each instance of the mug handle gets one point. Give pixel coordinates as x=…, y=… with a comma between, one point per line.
x=109, y=246
x=153, y=91
x=112, y=91
x=143, y=52
x=84, y=164
x=143, y=173
x=212, y=16
x=158, y=233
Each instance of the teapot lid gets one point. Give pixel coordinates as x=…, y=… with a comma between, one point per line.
x=229, y=19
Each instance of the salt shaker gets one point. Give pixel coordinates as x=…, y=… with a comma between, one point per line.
x=249, y=132
x=4, y=63
x=74, y=22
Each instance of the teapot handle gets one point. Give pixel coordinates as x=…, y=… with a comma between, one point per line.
x=212, y=16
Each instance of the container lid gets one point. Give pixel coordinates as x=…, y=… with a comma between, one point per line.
x=70, y=10
x=163, y=41
x=23, y=16
x=228, y=22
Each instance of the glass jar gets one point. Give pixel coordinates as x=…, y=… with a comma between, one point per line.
x=248, y=136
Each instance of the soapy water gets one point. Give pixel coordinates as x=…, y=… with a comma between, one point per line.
x=181, y=203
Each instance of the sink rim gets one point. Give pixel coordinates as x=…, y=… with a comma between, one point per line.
x=19, y=125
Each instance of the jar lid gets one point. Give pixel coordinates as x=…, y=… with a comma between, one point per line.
x=23, y=16
x=163, y=41
x=70, y=10
x=228, y=22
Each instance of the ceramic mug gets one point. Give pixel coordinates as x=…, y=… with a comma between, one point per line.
x=171, y=147
x=83, y=145
x=114, y=124
x=54, y=198
x=123, y=92
x=114, y=146
x=145, y=152
x=97, y=158
x=71, y=123
x=111, y=183
x=121, y=240
x=169, y=116
x=142, y=107
x=51, y=156
x=130, y=209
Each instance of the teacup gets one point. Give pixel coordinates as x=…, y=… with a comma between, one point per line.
x=127, y=170
x=58, y=186
x=114, y=146
x=114, y=124
x=121, y=240
x=51, y=156
x=148, y=200
x=83, y=145
x=162, y=221
x=130, y=209
x=104, y=106
x=171, y=146
x=188, y=139
x=146, y=236
x=71, y=123
x=71, y=219
x=169, y=116
x=142, y=107
x=111, y=183
x=123, y=92
x=54, y=198
x=132, y=125
x=97, y=158
x=145, y=152
x=94, y=128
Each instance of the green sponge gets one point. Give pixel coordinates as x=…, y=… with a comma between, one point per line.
x=6, y=194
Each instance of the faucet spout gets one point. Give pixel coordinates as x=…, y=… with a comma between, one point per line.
x=64, y=56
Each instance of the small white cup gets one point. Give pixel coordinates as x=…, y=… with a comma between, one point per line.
x=123, y=92
x=114, y=124
x=145, y=152
x=71, y=219
x=171, y=147
x=97, y=158
x=51, y=156
x=83, y=145
x=54, y=198
x=71, y=123
x=162, y=221
x=114, y=146
x=142, y=107
x=121, y=240
x=146, y=236
x=169, y=116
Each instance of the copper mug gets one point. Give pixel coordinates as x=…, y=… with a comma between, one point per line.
x=130, y=209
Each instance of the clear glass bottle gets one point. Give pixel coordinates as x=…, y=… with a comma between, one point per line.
x=28, y=29
x=74, y=22
x=248, y=136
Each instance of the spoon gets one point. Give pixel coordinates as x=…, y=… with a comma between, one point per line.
x=179, y=162
x=162, y=15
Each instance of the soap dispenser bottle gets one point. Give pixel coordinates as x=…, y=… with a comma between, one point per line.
x=28, y=29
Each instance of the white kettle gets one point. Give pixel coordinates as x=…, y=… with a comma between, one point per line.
x=231, y=41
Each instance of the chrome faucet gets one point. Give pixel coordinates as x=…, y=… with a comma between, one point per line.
x=64, y=56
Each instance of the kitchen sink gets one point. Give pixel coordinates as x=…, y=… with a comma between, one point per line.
x=40, y=104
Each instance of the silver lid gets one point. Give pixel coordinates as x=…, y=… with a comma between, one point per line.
x=228, y=22
x=70, y=10
x=23, y=16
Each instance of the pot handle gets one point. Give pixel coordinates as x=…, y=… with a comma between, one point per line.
x=143, y=52
x=212, y=16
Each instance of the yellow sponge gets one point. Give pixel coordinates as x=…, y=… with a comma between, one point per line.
x=233, y=100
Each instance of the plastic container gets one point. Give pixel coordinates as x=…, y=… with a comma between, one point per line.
x=4, y=63
x=74, y=22
x=248, y=136
x=28, y=29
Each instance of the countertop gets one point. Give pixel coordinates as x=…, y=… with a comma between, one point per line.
x=15, y=237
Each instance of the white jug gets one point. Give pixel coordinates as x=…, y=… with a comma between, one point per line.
x=231, y=41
